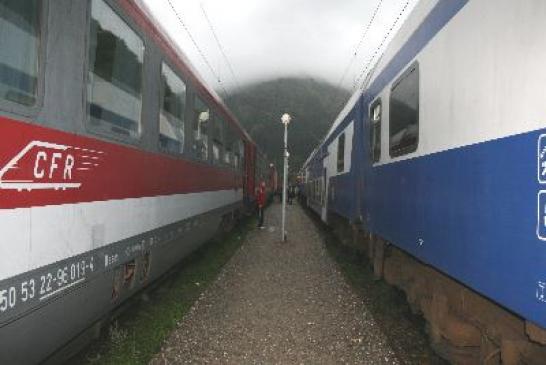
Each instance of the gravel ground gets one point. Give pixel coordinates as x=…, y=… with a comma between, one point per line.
x=279, y=303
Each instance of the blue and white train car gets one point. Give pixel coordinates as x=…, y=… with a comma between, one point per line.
x=443, y=156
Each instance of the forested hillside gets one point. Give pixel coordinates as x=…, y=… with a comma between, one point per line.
x=312, y=104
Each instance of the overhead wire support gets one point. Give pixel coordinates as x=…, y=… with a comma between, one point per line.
x=199, y=50
x=220, y=47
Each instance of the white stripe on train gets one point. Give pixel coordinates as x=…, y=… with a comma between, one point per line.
x=38, y=236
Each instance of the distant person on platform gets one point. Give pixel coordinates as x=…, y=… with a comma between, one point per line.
x=291, y=194
x=260, y=199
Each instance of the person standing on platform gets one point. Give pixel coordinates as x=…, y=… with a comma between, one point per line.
x=260, y=199
x=291, y=194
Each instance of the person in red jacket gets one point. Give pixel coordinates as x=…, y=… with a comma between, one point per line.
x=260, y=199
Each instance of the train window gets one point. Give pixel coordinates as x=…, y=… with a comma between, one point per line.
x=200, y=130
x=20, y=44
x=229, y=140
x=116, y=55
x=216, y=151
x=232, y=147
x=404, y=113
x=341, y=153
x=239, y=151
x=375, y=131
x=228, y=156
x=236, y=160
x=217, y=139
x=171, y=116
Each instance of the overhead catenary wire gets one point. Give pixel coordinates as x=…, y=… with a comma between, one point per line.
x=367, y=74
x=220, y=47
x=199, y=50
x=364, y=72
x=359, y=44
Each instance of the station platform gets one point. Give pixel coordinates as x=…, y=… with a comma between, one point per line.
x=279, y=303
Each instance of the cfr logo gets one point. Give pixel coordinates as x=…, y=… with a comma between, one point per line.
x=43, y=165
x=47, y=164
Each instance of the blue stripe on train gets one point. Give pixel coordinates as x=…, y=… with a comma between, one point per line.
x=472, y=213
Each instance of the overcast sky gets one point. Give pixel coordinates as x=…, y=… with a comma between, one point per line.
x=269, y=38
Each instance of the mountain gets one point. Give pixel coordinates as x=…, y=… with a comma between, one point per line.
x=312, y=104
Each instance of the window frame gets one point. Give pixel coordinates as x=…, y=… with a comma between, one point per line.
x=166, y=62
x=146, y=63
x=33, y=110
x=373, y=105
x=413, y=148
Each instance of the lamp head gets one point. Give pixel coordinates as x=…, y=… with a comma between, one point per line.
x=285, y=119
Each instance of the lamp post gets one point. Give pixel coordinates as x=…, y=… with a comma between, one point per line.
x=285, y=119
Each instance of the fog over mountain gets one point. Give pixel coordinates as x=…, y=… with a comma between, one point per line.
x=265, y=39
x=313, y=105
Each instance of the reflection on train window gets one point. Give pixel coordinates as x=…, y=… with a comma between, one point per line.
x=215, y=151
x=217, y=139
x=404, y=113
x=19, y=42
x=238, y=151
x=375, y=131
x=236, y=160
x=116, y=55
x=229, y=139
x=171, y=117
x=341, y=153
x=200, y=130
x=228, y=156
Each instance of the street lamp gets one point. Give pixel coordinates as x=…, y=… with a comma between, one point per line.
x=285, y=119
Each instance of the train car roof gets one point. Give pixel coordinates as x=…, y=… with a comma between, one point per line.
x=145, y=18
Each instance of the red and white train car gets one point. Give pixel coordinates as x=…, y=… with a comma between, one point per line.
x=115, y=162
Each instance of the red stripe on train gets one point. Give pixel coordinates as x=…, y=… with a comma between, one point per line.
x=41, y=166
